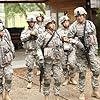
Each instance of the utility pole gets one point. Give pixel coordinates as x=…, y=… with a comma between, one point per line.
x=89, y=10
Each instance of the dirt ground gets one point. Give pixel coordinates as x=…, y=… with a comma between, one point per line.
x=69, y=92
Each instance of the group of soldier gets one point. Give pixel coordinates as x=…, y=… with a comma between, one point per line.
x=65, y=50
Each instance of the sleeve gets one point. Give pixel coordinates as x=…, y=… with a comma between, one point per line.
x=40, y=42
x=25, y=37
x=10, y=41
x=92, y=32
x=72, y=31
x=59, y=32
x=91, y=28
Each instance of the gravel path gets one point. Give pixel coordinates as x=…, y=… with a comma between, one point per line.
x=20, y=92
x=70, y=92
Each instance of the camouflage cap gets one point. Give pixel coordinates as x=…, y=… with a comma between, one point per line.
x=79, y=11
x=63, y=18
x=31, y=19
x=48, y=20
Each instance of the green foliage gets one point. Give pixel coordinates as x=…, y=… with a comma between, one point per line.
x=98, y=18
x=23, y=8
x=11, y=9
x=98, y=13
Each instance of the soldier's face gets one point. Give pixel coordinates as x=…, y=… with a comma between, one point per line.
x=39, y=19
x=66, y=24
x=80, y=18
x=52, y=25
x=31, y=24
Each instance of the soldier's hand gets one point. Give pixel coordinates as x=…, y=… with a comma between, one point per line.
x=73, y=41
x=41, y=61
x=33, y=33
x=80, y=45
x=65, y=39
x=1, y=33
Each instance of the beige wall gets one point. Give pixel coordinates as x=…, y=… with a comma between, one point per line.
x=63, y=5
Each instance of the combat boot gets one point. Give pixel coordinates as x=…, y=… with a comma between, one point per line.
x=29, y=85
x=95, y=94
x=72, y=81
x=1, y=97
x=65, y=83
x=6, y=96
x=46, y=98
x=81, y=96
x=57, y=98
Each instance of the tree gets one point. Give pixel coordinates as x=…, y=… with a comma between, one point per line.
x=22, y=8
x=98, y=13
x=98, y=19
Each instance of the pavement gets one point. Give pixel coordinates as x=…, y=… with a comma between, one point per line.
x=19, y=61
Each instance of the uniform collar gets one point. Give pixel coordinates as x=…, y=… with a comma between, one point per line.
x=82, y=22
x=31, y=28
x=50, y=32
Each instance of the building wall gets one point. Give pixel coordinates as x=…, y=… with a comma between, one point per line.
x=63, y=5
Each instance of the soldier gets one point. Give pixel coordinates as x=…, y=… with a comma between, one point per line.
x=53, y=52
x=84, y=31
x=69, y=69
x=6, y=57
x=40, y=27
x=28, y=38
x=40, y=23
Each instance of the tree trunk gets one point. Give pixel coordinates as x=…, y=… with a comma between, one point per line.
x=13, y=20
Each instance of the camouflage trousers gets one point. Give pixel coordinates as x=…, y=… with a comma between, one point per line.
x=69, y=69
x=6, y=78
x=31, y=61
x=94, y=67
x=56, y=68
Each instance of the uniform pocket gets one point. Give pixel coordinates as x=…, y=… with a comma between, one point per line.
x=8, y=57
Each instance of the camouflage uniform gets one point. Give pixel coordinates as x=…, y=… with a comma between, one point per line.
x=40, y=24
x=30, y=45
x=53, y=54
x=77, y=30
x=6, y=69
x=40, y=27
x=70, y=57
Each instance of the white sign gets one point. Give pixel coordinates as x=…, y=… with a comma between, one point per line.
x=95, y=3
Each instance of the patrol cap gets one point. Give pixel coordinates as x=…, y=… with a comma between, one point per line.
x=49, y=20
x=39, y=15
x=79, y=11
x=64, y=18
x=31, y=19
